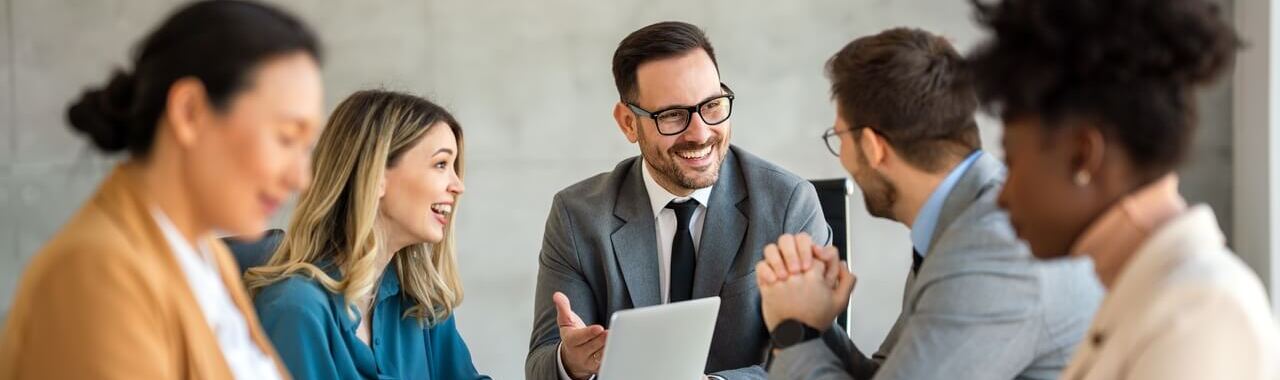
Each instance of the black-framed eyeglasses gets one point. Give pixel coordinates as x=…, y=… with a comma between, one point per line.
x=675, y=120
x=832, y=138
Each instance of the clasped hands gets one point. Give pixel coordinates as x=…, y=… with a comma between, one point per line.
x=803, y=281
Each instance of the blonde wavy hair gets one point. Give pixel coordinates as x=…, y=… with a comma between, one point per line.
x=335, y=217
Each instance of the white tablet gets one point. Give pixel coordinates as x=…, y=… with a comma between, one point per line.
x=660, y=342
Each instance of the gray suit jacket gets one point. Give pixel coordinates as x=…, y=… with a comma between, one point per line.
x=600, y=249
x=981, y=307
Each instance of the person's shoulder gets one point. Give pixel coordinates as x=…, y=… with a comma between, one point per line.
x=92, y=249
x=761, y=174
x=293, y=294
x=1215, y=274
x=984, y=226
x=1213, y=289
x=1187, y=258
x=447, y=325
x=597, y=189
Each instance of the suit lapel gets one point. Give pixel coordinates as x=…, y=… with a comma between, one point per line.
x=635, y=243
x=722, y=231
x=230, y=275
x=985, y=174
x=123, y=199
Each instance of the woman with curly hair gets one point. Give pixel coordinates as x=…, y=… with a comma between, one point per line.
x=1096, y=97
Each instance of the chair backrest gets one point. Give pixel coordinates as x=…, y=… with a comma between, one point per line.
x=254, y=253
x=833, y=194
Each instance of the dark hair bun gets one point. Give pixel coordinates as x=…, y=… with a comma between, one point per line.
x=105, y=113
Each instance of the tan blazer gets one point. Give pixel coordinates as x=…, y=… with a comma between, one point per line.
x=1184, y=307
x=106, y=299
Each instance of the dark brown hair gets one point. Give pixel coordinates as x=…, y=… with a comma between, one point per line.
x=658, y=41
x=910, y=86
x=1126, y=65
x=219, y=43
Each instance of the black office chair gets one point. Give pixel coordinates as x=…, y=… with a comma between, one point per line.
x=833, y=194
x=254, y=253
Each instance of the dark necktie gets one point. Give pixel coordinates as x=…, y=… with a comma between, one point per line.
x=682, y=256
x=916, y=260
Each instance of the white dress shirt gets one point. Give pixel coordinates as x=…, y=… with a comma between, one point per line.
x=1184, y=307
x=665, y=221
x=243, y=356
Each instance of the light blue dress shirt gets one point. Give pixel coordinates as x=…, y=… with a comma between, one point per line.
x=927, y=219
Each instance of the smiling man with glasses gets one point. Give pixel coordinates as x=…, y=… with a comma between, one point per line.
x=976, y=304
x=688, y=218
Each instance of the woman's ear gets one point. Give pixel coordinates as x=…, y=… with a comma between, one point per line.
x=186, y=108
x=1087, y=150
x=382, y=185
x=626, y=121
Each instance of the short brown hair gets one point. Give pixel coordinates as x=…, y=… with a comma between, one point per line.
x=911, y=87
x=658, y=41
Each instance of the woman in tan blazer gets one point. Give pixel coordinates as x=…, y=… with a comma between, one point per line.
x=1097, y=101
x=218, y=115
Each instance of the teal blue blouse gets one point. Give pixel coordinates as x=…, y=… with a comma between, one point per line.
x=316, y=340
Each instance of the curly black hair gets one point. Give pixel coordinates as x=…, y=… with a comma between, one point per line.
x=1127, y=65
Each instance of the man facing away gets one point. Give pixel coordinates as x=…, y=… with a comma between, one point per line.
x=976, y=304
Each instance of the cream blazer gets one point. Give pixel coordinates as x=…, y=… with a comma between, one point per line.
x=1184, y=307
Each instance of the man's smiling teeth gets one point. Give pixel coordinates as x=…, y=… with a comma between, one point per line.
x=695, y=154
x=443, y=209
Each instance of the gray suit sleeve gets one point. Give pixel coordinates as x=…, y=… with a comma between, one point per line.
x=804, y=214
x=809, y=360
x=970, y=326
x=997, y=328
x=558, y=271
x=834, y=357
x=754, y=372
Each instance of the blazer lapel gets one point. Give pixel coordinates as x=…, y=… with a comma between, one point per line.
x=122, y=198
x=635, y=243
x=985, y=174
x=230, y=274
x=722, y=231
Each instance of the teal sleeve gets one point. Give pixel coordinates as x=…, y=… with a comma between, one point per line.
x=300, y=337
x=449, y=355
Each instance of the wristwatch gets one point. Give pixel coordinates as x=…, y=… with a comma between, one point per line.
x=792, y=332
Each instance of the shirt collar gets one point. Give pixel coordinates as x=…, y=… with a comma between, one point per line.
x=1130, y=222
x=179, y=244
x=390, y=284
x=659, y=197
x=387, y=287
x=927, y=218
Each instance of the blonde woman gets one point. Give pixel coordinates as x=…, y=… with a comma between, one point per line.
x=364, y=282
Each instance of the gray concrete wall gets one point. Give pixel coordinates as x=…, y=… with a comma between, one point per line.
x=530, y=82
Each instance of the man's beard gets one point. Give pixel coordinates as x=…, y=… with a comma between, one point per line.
x=878, y=193
x=664, y=163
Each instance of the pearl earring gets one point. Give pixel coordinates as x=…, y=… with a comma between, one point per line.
x=1082, y=178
